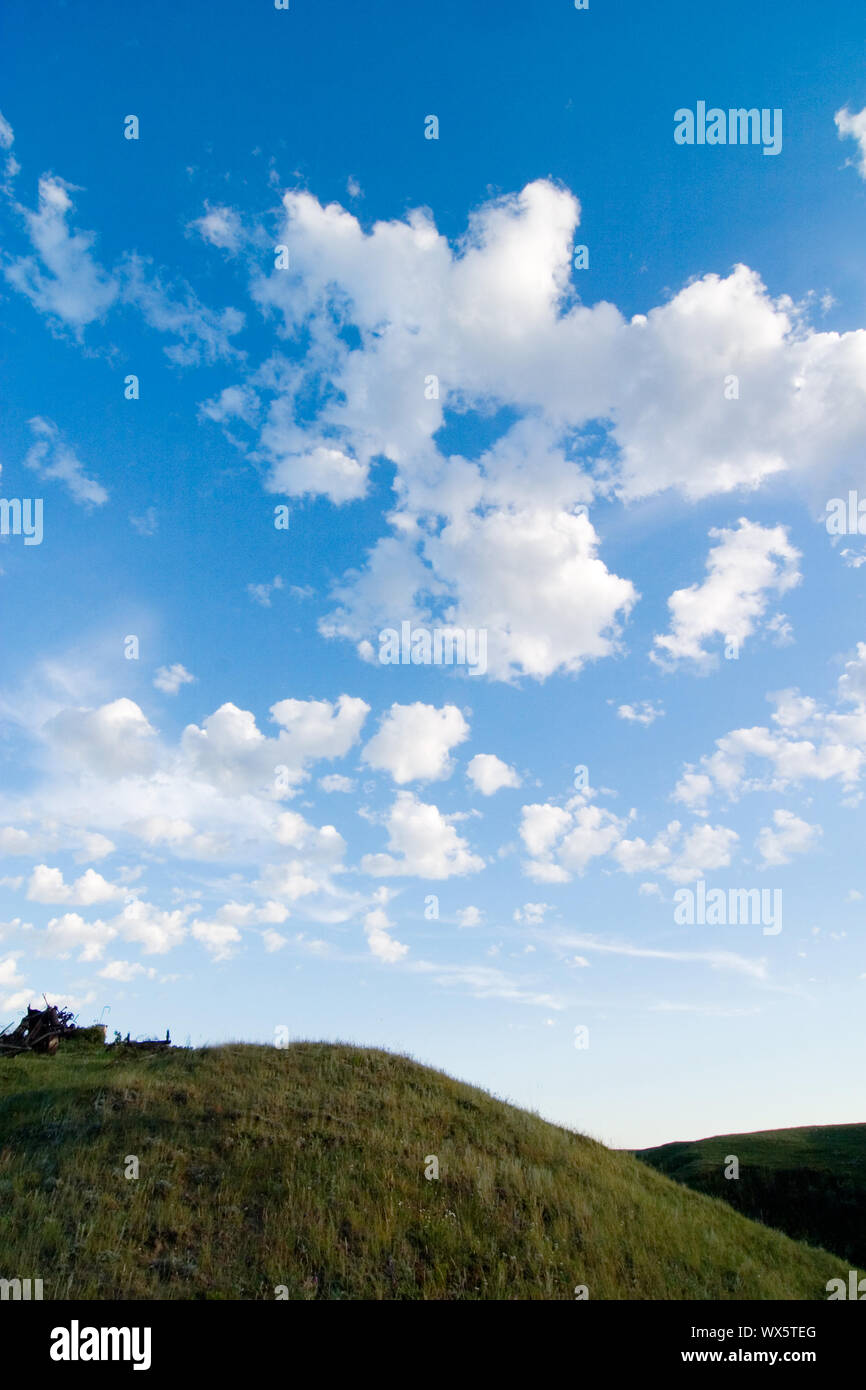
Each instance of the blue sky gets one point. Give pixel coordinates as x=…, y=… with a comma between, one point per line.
x=244, y=820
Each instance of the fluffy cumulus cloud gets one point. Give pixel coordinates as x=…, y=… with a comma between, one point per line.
x=789, y=835
x=377, y=929
x=422, y=843
x=562, y=841
x=806, y=741
x=169, y=679
x=124, y=971
x=47, y=885
x=230, y=750
x=531, y=913
x=489, y=774
x=114, y=740
x=384, y=339
x=156, y=930
x=220, y=939
x=72, y=933
x=314, y=729
x=413, y=742
x=216, y=794
x=746, y=567
x=720, y=388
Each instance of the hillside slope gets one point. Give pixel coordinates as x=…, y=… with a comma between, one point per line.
x=304, y=1168
x=808, y=1182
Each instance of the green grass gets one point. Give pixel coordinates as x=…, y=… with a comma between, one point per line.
x=809, y=1182
x=304, y=1167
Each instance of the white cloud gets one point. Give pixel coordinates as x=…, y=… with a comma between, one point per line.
x=809, y=742
x=62, y=280
x=47, y=886
x=7, y=135
x=221, y=226
x=704, y=849
x=562, y=841
x=51, y=458
x=423, y=842
x=853, y=124
x=219, y=938
x=157, y=931
x=12, y=979
x=377, y=927
x=317, y=469
x=296, y=833
x=643, y=712
x=147, y=524
x=214, y=795
x=112, y=741
x=334, y=782
x=261, y=593
x=232, y=403
x=469, y=916
x=312, y=729
x=542, y=825
x=852, y=682
x=747, y=565
x=496, y=317
x=791, y=836
x=717, y=960
x=204, y=334
x=489, y=774
x=13, y=840
x=413, y=742
x=486, y=982
x=169, y=679
x=693, y=790
x=124, y=971
x=531, y=913
x=230, y=751
x=71, y=932
x=9, y=974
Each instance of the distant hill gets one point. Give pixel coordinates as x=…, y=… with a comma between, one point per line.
x=809, y=1182
x=305, y=1168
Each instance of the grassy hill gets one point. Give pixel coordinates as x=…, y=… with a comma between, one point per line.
x=809, y=1182
x=304, y=1167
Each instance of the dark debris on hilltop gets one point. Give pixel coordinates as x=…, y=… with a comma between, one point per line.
x=43, y=1030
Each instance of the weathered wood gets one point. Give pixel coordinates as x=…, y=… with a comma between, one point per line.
x=42, y=1030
